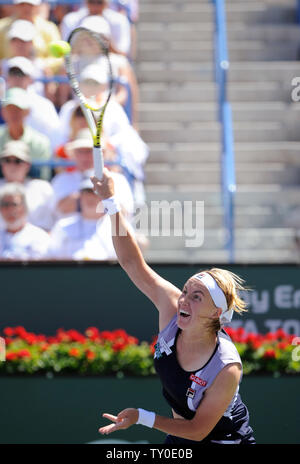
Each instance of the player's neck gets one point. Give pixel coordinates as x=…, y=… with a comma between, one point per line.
x=192, y=339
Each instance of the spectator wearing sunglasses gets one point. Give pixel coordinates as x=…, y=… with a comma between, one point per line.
x=119, y=24
x=15, y=165
x=19, y=240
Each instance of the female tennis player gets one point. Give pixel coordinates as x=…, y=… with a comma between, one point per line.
x=198, y=365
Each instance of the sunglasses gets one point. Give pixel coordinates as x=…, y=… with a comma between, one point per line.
x=8, y=204
x=12, y=161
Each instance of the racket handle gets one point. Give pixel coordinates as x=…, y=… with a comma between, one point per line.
x=98, y=162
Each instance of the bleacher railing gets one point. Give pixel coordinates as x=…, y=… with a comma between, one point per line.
x=225, y=117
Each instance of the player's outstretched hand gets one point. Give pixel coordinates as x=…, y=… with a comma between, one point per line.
x=104, y=187
x=122, y=421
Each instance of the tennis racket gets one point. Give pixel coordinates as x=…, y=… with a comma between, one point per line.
x=90, y=75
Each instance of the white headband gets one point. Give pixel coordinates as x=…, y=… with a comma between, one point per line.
x=217, y=295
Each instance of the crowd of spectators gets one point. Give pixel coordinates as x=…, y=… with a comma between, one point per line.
x=48, y=209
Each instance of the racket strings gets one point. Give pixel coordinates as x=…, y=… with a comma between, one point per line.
x=91, y=67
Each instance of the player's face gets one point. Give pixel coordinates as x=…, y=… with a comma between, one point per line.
x=195, y=305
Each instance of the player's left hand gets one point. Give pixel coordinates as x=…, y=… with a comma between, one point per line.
x=122, y=421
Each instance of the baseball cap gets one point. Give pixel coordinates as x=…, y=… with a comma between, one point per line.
x=21, y=63
x=16, y=148
x=21, y=29
x=97, y=24
x=82, y=140
x=17, y=97
x=32, y=2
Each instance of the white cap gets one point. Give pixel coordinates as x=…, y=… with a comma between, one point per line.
x=97, y=24
x=21, y=29
x=23, y=64
x=95, y=72
x=82, y=140
x=217, y=295
x=32, y=2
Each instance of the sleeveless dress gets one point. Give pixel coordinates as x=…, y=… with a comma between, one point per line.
x=184, y=390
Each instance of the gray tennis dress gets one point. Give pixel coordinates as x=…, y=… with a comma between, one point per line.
x=184, y=390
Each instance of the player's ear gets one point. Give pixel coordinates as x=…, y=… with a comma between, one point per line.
x=217, y=313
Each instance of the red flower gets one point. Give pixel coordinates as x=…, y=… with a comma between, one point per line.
x=132, y=340
x=256, y=344
x=106, y=335
x=283, y=345
x=92, y=333
x=270, y=336
x=269, y=354
x=11, y=356
x=62, y=336
x=152, y=346
x=24, y=354
x=9, y=331
x=280, y=334
x=119, y=346
x=45, y=346
x=90, y=355
x=53, y=340
x=75, y=336
x=30, y=338
x=20, y=331
x=74, y=352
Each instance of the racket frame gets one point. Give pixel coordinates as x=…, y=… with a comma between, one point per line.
x=94, y=125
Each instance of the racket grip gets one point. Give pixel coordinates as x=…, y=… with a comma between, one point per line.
x=98, y=162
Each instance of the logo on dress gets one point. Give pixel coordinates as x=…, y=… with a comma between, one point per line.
x=197, y=380
x=190, y=392
x=158, y=353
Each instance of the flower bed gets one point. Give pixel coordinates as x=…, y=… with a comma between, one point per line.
x=117, y=353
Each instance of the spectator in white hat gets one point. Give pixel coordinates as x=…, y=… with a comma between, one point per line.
x=28, y=10
x=43, y=116
x=66, y=184
x=15, y=165
x=15, y=110
x=19, y=240
x=86, y=234
x=119, y=24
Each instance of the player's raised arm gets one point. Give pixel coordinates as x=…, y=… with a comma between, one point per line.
x=162, y=293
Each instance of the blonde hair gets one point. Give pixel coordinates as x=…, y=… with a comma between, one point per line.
x=230, y=284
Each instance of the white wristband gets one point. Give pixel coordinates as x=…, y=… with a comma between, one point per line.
x=111, y=206
x=146, y=418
